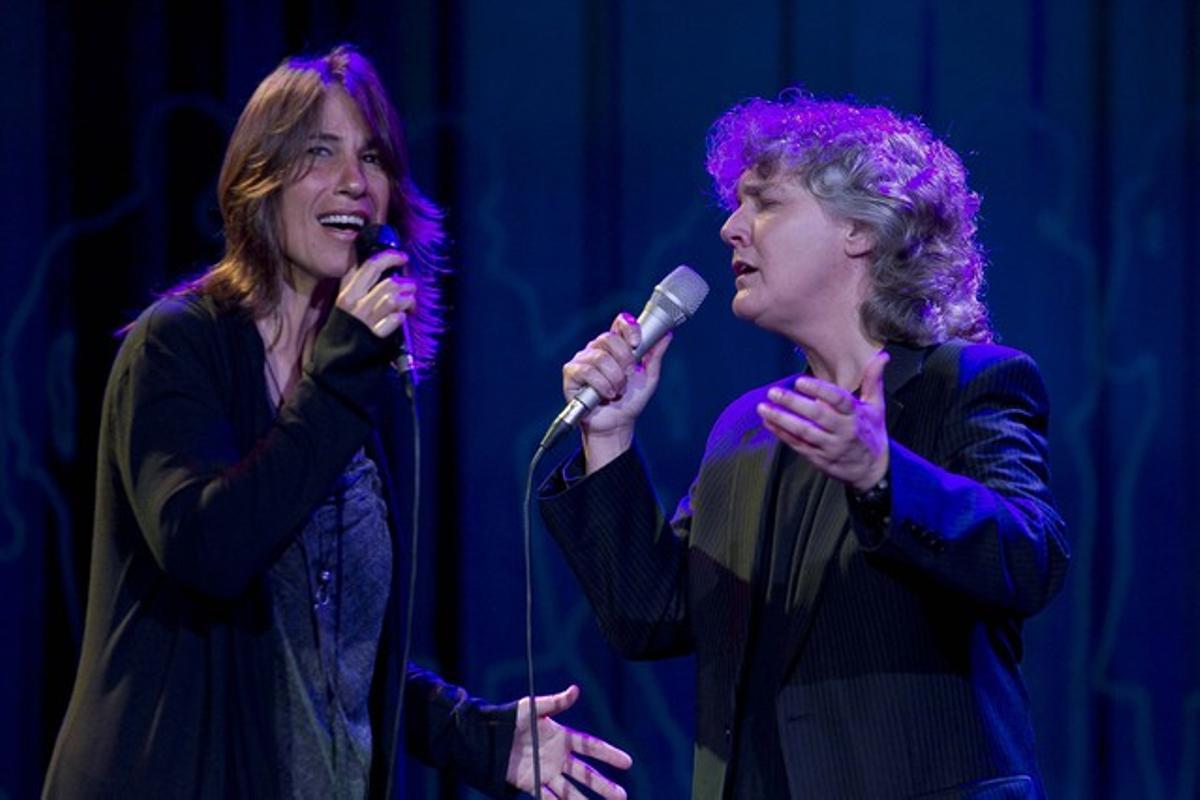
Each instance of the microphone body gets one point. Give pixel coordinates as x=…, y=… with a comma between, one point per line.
x=375, y=238
x=672, y=303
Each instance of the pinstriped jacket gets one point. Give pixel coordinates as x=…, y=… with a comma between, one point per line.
x=899, y=677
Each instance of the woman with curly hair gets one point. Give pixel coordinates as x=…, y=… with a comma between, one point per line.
x=856, y=556
x=245, y=621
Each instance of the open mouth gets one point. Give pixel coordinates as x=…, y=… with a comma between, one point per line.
x=343, y=222
x=741, y=268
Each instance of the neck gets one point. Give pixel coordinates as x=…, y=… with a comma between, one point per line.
x=842, y=363
x=834, y=342
x=301, y=309
x=838, y=349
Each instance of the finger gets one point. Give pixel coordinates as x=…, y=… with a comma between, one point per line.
x=356, y=283
x=394, y=260
x=785, y=436
x=872, y=379
x=798, y=426
x=820, y=413
x=626, y=326
x=573, y=794
x=592, y=779
x=596, y=370
x=600, y=750
x=813, y=454
x=616, y=346
x=548, y=705
x=368, y=273
x=837, y=397
x=558, y=785
x=388, y=260
x=389, y=297
x=387, y=325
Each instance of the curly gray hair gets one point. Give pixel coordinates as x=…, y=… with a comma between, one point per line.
x=868, y=165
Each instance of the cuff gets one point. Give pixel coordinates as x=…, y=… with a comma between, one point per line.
x=348, y=360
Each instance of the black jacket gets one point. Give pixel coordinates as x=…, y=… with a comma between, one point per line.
x=899, y=675
x=198, y=490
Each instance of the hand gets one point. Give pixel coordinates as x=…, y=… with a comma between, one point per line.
x=842, y=435
x=560, y=749
x=624, y=386
x=381, y=305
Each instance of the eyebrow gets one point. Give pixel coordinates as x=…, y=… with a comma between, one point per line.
x=324, y=136
x=753, y=189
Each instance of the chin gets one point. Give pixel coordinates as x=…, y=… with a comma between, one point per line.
x=742, y=308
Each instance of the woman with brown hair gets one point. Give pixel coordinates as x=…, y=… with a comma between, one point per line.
x=244, y=632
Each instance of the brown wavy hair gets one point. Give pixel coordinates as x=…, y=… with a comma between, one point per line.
x=268, y=150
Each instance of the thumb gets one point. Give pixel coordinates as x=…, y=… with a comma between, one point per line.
x=550, y=704
x=653, y=359
x=872, y=379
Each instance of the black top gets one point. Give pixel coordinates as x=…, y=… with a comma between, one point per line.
x=198, y=492
x=757, y=768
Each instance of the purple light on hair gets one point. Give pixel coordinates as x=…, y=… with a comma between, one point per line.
x=870, y=165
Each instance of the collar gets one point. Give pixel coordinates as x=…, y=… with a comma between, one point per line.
x=906, y=362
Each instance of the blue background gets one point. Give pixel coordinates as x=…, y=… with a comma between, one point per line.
x=566, y=141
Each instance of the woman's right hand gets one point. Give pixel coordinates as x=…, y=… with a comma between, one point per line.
x=625, y=386
x=381, y=305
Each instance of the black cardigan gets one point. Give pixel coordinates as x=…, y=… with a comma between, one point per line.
x=199, y=489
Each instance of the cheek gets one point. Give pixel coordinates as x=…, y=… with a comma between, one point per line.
x=292, y=232
x=379, y=185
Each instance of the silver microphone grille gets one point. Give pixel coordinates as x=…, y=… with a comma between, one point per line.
x=684, y=288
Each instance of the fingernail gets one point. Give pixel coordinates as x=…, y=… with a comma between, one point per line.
x=775, y=394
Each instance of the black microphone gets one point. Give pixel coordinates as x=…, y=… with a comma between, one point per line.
x=375, y=238
x=673, y=302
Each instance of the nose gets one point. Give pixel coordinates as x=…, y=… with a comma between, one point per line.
x=353, y=180
x=735, y=231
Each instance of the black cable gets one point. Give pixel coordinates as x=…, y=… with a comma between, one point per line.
x=412, y=579
x=533, y=717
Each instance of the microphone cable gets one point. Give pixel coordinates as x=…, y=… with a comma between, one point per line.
x=409, y=391
x=533, y=715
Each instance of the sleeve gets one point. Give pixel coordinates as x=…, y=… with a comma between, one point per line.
x=982, y=522
x=446, y=728
x=630, y=562
x=213, y=517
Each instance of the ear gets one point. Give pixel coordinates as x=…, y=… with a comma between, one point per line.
x=859, y=240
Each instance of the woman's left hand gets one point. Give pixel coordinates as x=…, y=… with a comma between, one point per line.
x=560, y=749
x=842, y=435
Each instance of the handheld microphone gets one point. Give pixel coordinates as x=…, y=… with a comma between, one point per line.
x=375, y=238
x=673, y=302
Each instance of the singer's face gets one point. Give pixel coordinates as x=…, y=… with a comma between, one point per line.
x=790, y=265
x=342, y=186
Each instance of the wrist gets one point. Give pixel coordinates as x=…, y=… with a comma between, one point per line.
x=878, y=472
x=601, y=448
x=874, y=504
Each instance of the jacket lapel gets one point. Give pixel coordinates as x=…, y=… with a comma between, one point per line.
x=905, y=364
x=828, y=520
x=746, y=509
